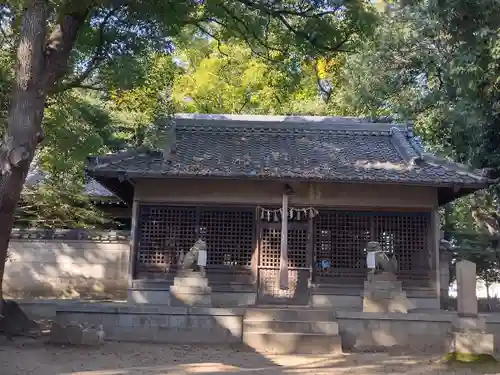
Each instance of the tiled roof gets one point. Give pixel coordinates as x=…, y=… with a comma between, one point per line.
x=311, y=148
x=92, y=188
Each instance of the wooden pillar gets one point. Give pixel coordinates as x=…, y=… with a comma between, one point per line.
x=132, y=261
x=283, y=272
x=310, y=236
x=434, y=239
x=256, y=251
x=310, y=249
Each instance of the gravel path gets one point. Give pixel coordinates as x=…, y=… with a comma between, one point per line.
x=25, y=357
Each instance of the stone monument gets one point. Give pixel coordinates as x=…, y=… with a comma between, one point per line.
x=383, y=292
x=191, y=284
x=468, y=333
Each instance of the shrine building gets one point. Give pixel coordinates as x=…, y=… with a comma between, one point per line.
x=347, y=182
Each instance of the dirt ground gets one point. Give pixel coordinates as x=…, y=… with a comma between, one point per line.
x=35, y=357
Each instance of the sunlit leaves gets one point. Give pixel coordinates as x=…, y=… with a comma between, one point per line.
x=76, y=126
x=231, y=79
x=58, y=203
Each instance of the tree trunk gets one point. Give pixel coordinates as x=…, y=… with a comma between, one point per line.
x=41, y=62
x=24, y=121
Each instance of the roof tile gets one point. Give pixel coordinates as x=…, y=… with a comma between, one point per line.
x=350, y=150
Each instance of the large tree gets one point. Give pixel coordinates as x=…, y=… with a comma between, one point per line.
x=230, y=78
x=437, y=63
x=60, y=45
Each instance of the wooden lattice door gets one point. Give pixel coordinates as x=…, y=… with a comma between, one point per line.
x=299, y=262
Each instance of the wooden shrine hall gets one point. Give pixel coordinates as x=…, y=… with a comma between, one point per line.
x=337, y=182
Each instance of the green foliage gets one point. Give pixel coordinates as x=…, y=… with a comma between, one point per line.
x=123, y=54
x=482, y=250
x=230, y=78
x=58, y=204
x=76, y=125
x=423, y=67
x=135, y=109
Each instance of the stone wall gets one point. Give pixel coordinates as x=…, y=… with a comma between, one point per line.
x=154, y=323
x=71, y=268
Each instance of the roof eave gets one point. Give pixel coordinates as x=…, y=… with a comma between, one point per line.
x=125, y=175
x=123, y=189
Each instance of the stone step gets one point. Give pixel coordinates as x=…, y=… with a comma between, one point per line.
x=293, y=343
x=290, y=314
x=277, y=326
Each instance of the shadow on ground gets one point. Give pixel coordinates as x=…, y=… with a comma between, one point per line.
x=35, y=357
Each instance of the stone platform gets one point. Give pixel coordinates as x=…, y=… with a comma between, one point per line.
x=415, y=331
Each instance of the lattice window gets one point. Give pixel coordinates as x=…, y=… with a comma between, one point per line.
x=297, y=248
x=340, y=241
x=163, y=233
x=341, y=238
x=230, y=236
x=407, y=236
x=271, y=247
x=166, y=232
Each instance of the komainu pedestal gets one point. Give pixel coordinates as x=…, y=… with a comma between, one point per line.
x=190, y=289
x=384, y=293
x=469, y=336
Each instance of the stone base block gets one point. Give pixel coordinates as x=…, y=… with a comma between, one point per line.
x=190, y=289
x=383, y=293
x=193, y=280
x=381, y=276
x=384, y=285
x=293, y=343
x=465, y=324
x=184, y=296
x=394, y=303
x=75, y=334
x=384, y=306
x=471, y=343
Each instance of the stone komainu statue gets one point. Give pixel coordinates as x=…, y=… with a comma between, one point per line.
x=384, y=262
x=196, y=255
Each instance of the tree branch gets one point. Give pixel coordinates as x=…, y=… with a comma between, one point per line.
x=280, y=15
x=247, y=100
x=308, y=12
x=98, y=56
x=87, y=87
x=243, y=34
x=59, y=46
x=219, y=42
